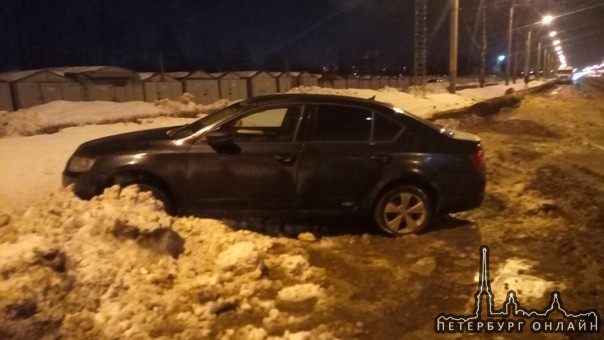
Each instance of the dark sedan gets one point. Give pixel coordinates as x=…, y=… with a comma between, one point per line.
x=295, y=153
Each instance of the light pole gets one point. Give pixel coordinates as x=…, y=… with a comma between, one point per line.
x=527, y=56
x=540, y=57
x=453, y=46
x=508, y=64
x=546, y=20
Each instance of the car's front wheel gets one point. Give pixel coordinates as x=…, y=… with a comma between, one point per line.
x=403, y=210
x=156, y=191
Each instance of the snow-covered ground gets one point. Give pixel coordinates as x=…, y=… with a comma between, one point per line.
x=119, y=267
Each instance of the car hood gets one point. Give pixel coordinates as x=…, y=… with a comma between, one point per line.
x=128, y=142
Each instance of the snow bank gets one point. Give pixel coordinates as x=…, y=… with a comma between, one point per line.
x=426, y=102
x=119, y=267
x=56, y=115
x=435, y=100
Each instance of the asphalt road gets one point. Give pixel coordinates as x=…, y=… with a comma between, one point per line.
x=591, y=87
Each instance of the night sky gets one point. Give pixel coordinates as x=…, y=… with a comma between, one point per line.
x=184, y=35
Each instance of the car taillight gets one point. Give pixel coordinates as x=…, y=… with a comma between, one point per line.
x=478, y=160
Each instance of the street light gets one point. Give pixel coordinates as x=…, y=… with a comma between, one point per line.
x=546, y=20
x=508, y=64
x=540, y=59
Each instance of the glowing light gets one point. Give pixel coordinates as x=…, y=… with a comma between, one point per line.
x=501, y=58
x=556, y=42
x=552, y=34
x=547, y=19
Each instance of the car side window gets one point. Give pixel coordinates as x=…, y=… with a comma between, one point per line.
x=275, y=124
x=335, y=123
x=385, y=129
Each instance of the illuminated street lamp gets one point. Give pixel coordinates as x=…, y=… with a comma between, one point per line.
x=546, y=20
x=540, y=59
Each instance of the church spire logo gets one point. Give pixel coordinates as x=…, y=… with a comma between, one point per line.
x=512, y=317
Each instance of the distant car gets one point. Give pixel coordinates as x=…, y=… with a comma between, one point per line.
x=564, y=75
x=295, y=153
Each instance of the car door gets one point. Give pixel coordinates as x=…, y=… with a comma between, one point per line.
x=257, y=172
x=344, y=156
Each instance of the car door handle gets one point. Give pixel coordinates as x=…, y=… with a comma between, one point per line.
x=285, y=159
x=381, y=158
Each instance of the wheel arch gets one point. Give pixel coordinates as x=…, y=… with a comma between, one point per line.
x=412, y=179
x=128, y=176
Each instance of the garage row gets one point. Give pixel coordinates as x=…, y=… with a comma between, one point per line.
x=23, y=89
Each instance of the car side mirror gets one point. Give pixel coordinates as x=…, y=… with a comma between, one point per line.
x=220, y=137
x=223, y=141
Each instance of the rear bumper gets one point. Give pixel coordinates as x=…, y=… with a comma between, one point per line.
x=462, y=193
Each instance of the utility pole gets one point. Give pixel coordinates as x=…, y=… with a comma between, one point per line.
x=508, y=64
x=527, y=57
x=539, y=64
x=161, y=66
x=483, y=51
x=419, y=65
x=453, y=46
x=545, y=64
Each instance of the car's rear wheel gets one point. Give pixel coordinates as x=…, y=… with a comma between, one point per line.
x=403, y=210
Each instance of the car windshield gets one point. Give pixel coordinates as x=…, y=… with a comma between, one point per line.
x=212, y=118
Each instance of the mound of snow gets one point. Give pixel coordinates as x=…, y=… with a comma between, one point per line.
x=58, y=114
x=118, y=267
x=54, y=116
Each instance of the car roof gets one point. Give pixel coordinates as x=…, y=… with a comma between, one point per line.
x=315, y=98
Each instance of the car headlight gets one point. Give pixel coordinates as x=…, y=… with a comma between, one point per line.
x=80, y=164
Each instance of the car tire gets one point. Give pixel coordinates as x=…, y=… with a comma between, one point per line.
x=403, y=210
x=159, y=194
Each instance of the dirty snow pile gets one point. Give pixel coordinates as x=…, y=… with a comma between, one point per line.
x=119, y=267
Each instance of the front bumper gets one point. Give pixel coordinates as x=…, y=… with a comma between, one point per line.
x=86, y=185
